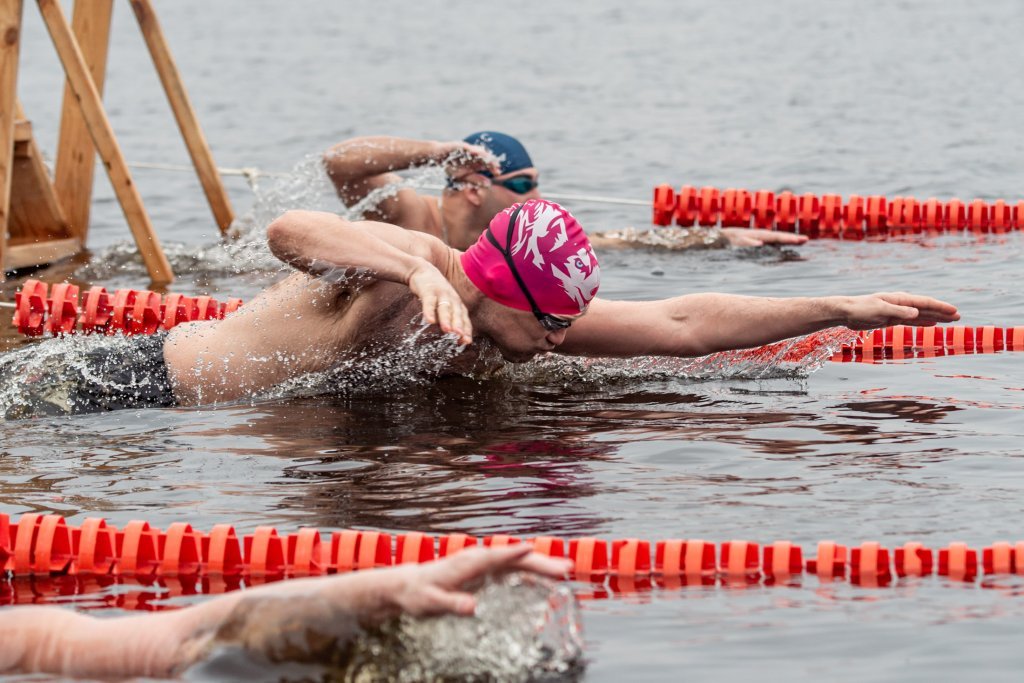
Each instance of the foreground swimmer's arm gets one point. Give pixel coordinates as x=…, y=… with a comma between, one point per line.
x=361, y=165
x=699, y=324
x=316, y=242
x=267, y=620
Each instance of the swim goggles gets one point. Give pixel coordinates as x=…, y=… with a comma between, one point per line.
x=520, y=184
x=548, y=321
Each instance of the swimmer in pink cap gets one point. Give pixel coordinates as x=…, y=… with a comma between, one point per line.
x=374, y=297
x=535, y=257
x=374, y=293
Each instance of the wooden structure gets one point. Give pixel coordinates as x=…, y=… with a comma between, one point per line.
x=42, y=220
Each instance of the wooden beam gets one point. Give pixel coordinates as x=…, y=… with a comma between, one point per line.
x=76, y=156
x=184, y=114
x=35, y=215
x=22, y=130
x=10, y=40
x=106, y=143
x=37, y=254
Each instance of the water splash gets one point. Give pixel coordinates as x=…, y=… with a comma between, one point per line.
x=416, y=358
x=526, y=628
x=305, y=186
x=795, y=358
x=57, y=376
x=671, y=238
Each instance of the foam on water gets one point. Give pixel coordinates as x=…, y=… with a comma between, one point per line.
x=44, y=378
x=795, y=358
x=526, y=628
x=306, y=186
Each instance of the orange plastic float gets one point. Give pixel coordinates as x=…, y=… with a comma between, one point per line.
x=41, y=310
x=90, y=557
x=828, y=217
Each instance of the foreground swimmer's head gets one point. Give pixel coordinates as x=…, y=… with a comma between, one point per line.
x=533, y=258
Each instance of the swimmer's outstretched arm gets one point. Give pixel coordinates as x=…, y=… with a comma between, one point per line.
x=317, y=242
x=699, y=324
x=260, y=620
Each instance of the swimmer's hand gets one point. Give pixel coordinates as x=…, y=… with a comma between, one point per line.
x=746, y=237
x=461, y=159
x=442, y=305
x=895, y=308
x=441, y=587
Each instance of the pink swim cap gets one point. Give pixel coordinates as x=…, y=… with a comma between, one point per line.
x=549, y=251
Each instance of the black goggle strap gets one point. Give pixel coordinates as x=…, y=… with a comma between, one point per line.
x=507, y=254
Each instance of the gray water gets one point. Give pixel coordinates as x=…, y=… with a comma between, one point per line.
x=909, y=98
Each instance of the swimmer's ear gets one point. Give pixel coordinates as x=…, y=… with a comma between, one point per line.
x=474, y=193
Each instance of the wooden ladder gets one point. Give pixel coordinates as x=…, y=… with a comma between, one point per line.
x=42, y=219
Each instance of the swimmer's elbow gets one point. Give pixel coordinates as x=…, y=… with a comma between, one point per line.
x=293, y=235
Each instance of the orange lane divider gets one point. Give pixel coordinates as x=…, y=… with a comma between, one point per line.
x=828, y=216
x=39, y=309
x=902, y=341
x=45, y=547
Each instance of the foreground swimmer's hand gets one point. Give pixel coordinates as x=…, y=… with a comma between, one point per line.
x=896, y=308
x=747, y=237
x=295, y=620
x=442, y=305
x=440, y=587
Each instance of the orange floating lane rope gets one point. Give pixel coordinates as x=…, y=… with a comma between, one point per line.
x=453, y=543
x=30, y=308
x=414, y=547
x=264, y=553
x=96, y=311
x=785, y=211
x=998, y=558
x=631, y=557
x=958, y=562
x=764, y=209
x=664, y=205
x=500, y=540
x=304, y=553
x=686, y=206
x=138, y=547
x=590, y=558
x=913, y=559
x=222, y=551
x=781, y=560
x=181, y=552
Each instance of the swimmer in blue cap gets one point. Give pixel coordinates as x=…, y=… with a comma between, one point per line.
x=487, y=172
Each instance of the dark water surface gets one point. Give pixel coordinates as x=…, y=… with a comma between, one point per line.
x=908, y=98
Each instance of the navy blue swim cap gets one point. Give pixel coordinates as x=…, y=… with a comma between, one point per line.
x=509, y=151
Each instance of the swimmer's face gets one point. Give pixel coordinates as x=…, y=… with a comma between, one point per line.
x=517, y=334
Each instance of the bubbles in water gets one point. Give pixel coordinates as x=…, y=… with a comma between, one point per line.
x=793, y=358
x=526, y=628
x=70, y=374
x=306, y=186
x=672, y=238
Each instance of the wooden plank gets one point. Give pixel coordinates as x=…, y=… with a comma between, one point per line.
x=22, y=131
x=10, y=40
x=184, y=114
x=37, y=254
x=76, y=156
x=105, y=142
x=35, y=213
